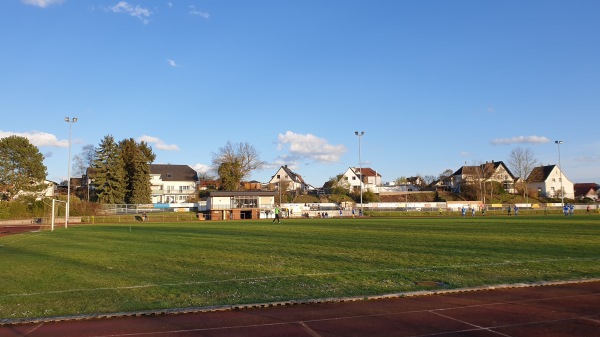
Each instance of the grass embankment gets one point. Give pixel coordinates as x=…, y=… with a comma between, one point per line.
x=91, y=269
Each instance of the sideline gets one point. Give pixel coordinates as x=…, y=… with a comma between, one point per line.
x=207, y=309
x=274, y=277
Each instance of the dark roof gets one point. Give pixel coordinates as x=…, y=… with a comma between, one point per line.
x=540, y=174
x=293, y=176
x=472, y=170
x=583, y=189
x=170, y=172
x=586, y=185
x=366, y=171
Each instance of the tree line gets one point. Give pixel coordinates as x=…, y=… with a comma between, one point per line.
x=118, y=171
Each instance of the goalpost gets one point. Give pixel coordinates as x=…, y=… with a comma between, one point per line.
x=54, y=201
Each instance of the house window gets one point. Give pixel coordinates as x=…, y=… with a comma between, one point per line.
x=169, y=175
x=353, y=178
x=553, y=179
x=278, y=176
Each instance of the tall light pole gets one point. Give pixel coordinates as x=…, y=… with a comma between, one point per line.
x=562, y=192
x=360, y=134
x=70, y=121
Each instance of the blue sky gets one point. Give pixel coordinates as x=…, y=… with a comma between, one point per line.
x=433, y=84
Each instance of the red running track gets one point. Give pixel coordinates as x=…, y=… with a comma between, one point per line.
x=571, y=309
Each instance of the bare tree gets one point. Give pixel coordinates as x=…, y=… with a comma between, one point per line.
x=447, y=173
x=428, y=179
x=235, y=161
x=481, y=174
x=84, y=160
x=522, y=161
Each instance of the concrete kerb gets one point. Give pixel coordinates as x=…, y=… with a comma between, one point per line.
x=195, y=310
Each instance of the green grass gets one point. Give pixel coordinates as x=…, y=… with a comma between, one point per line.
x=102, y=268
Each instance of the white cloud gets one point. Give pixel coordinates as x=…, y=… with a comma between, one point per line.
x=37, y=138
x=160, y=144
x=137, y=11
x=193, y=11
x=302, y=147
x=590, y=159
x=42, y=3
x=201, y=168
x=172, y=63
x=520, y=140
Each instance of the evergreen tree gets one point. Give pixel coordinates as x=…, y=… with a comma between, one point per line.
x=137, y=159
x=109, y=176
x=21, y=167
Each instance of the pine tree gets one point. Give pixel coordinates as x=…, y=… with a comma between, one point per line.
x=137, y=159
x=109, y=177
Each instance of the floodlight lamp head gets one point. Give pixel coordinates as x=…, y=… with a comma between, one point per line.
x=558, y=141
x=67, y=119
x=74, y=119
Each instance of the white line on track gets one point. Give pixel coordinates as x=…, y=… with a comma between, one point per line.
x=490, y=329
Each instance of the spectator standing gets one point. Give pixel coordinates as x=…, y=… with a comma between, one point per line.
x=277, y=215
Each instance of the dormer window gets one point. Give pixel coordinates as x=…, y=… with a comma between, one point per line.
x=169, y=175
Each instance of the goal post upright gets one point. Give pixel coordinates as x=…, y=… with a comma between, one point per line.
x=53, y=217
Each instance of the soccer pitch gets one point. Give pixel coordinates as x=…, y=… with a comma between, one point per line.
x=98, y=269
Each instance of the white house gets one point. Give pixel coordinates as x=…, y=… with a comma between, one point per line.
x=548, y=181
x=285, y=176
x=172, y=183
x=48, y=191
x=367, y=177
x=490, y=171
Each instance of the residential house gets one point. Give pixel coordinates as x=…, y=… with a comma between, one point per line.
x=172, y=183
x=366, y=177
x=48, y=190
x=494, y=171
x=253, y=185
x=289, y=180
x=548, y=181
x=441, y=185
x=204, y=185
x=586, y=190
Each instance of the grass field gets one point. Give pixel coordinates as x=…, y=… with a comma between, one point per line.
x=94, y=269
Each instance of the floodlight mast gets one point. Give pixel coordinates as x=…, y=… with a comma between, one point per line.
x=562, y=191
x=70, y=121
x=360, y=134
